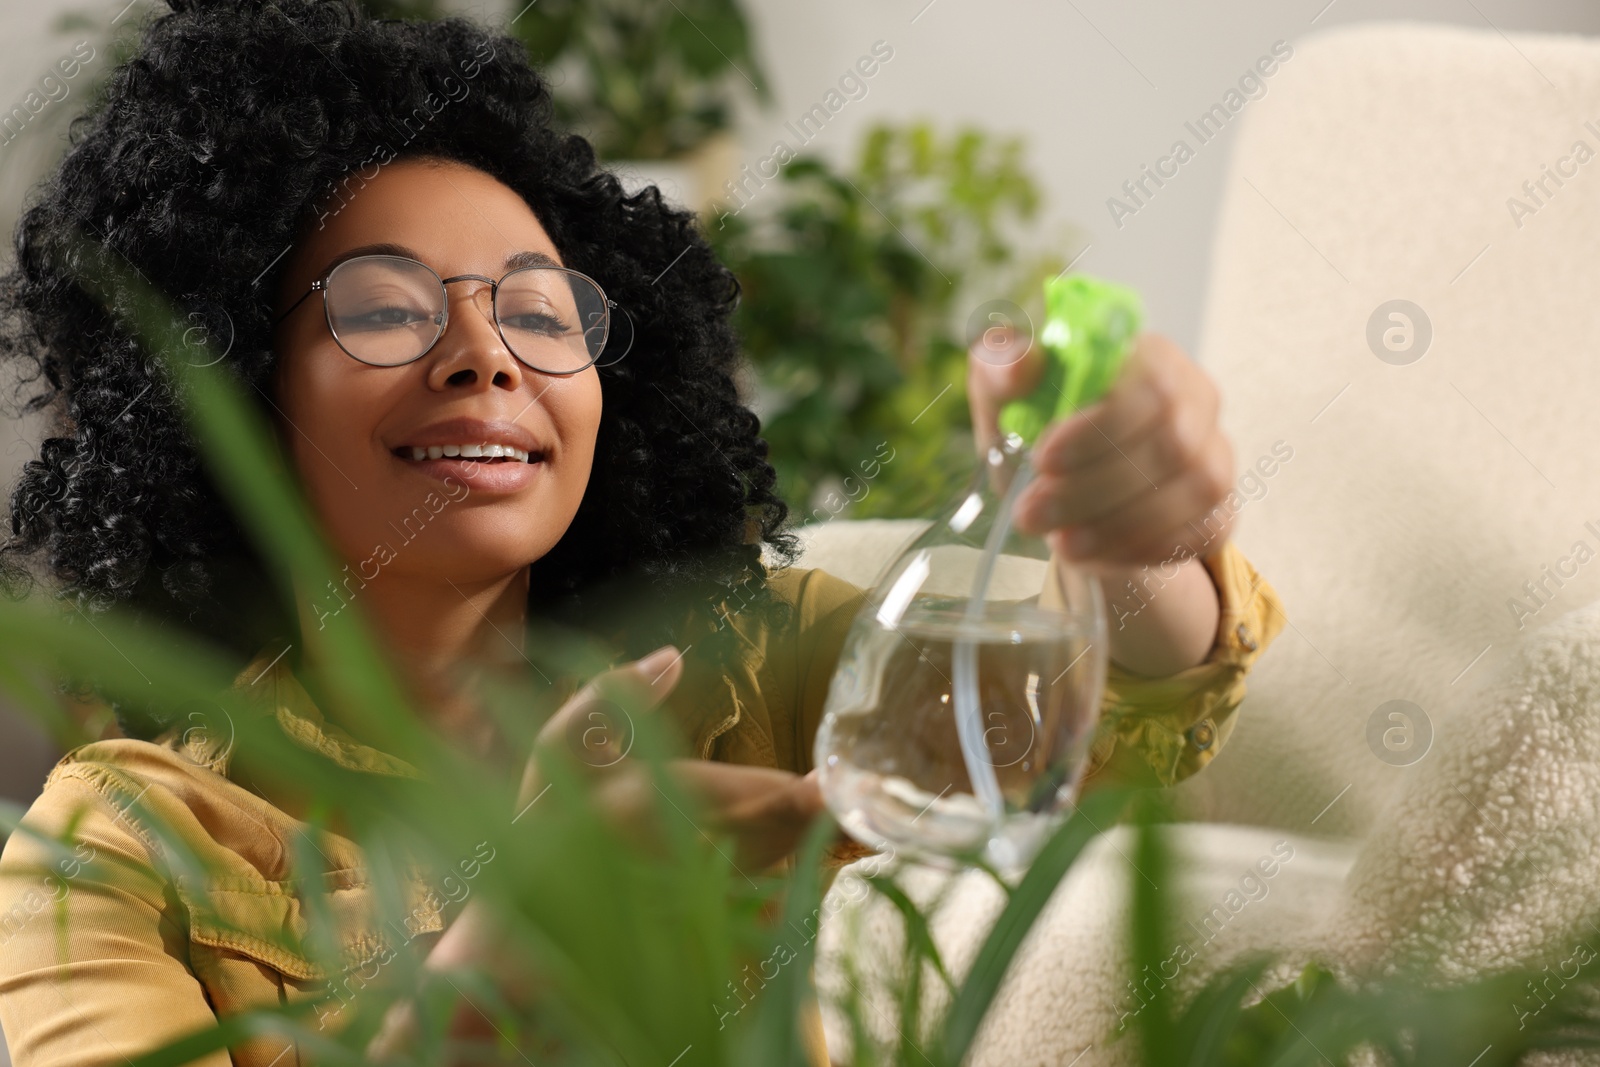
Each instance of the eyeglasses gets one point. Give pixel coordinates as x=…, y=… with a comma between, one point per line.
x=391, y=310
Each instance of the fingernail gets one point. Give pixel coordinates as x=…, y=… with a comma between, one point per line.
x=1081, y=542
x=652, y=665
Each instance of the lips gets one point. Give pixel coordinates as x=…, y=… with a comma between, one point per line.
x=492, y=476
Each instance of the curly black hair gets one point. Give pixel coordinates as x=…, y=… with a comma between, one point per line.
x=231, y=129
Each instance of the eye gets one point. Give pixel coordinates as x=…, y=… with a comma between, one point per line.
x=394, y=316
x=539, y=322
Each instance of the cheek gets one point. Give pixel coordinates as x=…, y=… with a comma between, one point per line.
x=577, y=415
x=324, y=424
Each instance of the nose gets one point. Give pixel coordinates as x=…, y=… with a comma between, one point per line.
x=471, y=352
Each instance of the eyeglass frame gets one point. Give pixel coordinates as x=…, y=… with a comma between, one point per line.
x=321, y=285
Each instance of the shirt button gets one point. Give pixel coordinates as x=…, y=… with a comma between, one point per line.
x=1202, y=734
x=1245, y=639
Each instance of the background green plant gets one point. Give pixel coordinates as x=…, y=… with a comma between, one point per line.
x=641, y=79
x=857, y=280
x=859, y=286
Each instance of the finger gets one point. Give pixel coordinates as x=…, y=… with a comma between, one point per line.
x=1178, y=543
x=1006, y=363
x=1191, y=499
x=1001, y=366
x=790, y=801
x=1111, y=482
x=722, y=786
x=1158, y=385
x=659, y=672
x=780, y=821
x=1054, y=501
x=766, y=810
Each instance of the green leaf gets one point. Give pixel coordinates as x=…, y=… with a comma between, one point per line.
x=918, y=936
x=776, y=1036
x=1058, y=854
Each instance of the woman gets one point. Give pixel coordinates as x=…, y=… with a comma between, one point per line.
x=282, y=171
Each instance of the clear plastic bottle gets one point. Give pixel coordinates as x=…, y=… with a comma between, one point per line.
x=959, y=718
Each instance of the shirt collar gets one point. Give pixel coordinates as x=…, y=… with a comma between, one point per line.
x=270, y=686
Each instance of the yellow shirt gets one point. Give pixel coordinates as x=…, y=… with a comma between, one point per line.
x=138, y=963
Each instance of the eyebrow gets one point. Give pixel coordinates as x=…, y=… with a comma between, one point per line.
x=529, y=259
x=514, y=261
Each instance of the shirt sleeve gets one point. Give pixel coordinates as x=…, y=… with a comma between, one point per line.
x=92, y=947
x=1159, y=731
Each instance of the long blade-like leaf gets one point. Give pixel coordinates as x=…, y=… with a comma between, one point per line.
x=1059, y=853
x=776, y=1037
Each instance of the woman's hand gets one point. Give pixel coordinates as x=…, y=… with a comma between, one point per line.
x=1131, y=482
x=766, y=811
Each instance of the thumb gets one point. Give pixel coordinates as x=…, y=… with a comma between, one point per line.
x=639, y=686
x=596, y=722
x=660, y=671
x=1003, y=364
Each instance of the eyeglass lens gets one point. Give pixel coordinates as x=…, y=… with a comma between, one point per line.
x=387, y=310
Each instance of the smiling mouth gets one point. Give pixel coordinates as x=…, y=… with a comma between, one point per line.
x=467, y=453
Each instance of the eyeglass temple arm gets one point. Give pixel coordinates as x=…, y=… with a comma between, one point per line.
x=316, y=287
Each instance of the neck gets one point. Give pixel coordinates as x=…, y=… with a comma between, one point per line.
x=441, y=638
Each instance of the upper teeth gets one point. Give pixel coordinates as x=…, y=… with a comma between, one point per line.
x=468, y=452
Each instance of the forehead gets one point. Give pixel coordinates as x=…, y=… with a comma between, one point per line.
x=458, y=219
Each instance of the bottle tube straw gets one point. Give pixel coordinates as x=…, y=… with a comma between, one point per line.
x=968, y=714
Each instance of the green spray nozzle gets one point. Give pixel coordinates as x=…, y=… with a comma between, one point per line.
x=1088, y=331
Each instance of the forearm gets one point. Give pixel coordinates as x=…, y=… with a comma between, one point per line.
x=1161, y=625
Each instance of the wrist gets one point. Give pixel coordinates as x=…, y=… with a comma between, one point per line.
x=1161, y=619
